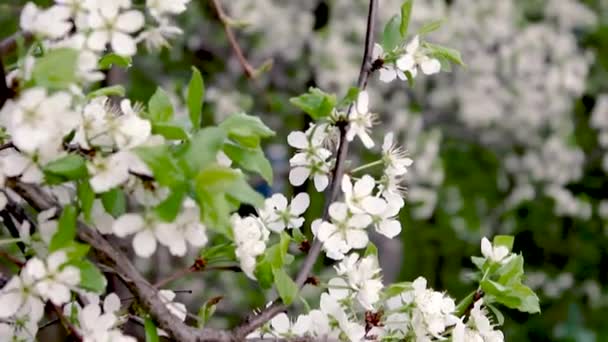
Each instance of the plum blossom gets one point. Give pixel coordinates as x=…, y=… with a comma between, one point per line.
x=53, y=22
x=311, y=160
x=387, y=221
x=146, y=229
x=395, y=159
x=250, y=237
x=109, y=25
x=96, y=326
x=359, y=197
x=415, y=57
x=361, y=120
x=52, y=279
x=107, y=173
x=496, y=254
x=388, y=72
x=160, y=7
x=345, y=232
x=278, y=215
x=187, y=228
x=360, y=277
x=281, y=326
x=330, y=320
x=478, y=327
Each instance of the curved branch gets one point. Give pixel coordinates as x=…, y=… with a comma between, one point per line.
x=141, y=288
x=366, y=67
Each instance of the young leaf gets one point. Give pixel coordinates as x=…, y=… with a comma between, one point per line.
x=391, y=36
x=207, y=310
x=287, y=289
x=163, y=165
x=86, y=197
x=216, y=178
x=114, y=202
x=91, y=278
x=250, y=159
x=196, y=95
x=245, y=129
x=446, y=53
x=241, y=191
x=70, y=167
x=316, y=103
x=160, y=108
x=169, y=131
x=110, y=59
x=150, y=329
x=66, y=228
x=406, y=11
x=371, y=250
x=504, y=240
x=56, y=69
x=203, y=148
x=115, y=90
x=430, y=27
x=168, y=209
x=351, y=96
x=263, y=273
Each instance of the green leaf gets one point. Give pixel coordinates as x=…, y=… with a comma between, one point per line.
x=396, y=289
x=263, y=273
x=517, y=296
x=112, y=58
x=391, y=37
x=298, y=237
x=207, y=310
x=168, y=209
x=286, y=287
x=66, y=229
x=511, y=272
x=316, y=103
x=276, y=254
x=245, y=129
x=86, y=197
x=115, y=90
x=430, y=27
x=160, y=108
x=91, y=278
x=478, y=262
x=500, y=318
x=76, y=251
x=504, y=240
x=203, y=148
x=406, y=11
x=250, y=159
x=196, y=95
x=224, y=250
x=114, y=202
x=70, y=167
x=351, y=96
x=464, y=304
x=56, y=69
x=442, y=52
x=163, y=165
x=410, y=78
x=169, y=131
x=371, y=250
x=216, y=178
x=151, y=331
x=244, y=193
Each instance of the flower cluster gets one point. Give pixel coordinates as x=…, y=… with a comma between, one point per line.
x=407, y=59
x=312, y=159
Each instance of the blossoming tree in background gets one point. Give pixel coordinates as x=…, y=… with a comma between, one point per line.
x=84, y=169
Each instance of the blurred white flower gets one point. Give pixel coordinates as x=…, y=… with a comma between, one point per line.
x=361, y=120
x=278, y=215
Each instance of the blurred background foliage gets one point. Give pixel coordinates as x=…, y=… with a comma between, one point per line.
x=467, y=180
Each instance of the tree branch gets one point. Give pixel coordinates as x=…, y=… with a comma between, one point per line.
x=139, y=286
x=249, y=70
x=366, y=67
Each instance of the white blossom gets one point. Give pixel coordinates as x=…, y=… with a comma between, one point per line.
x=49, y=23
x=312, y=158
x=395, y=159
x=361, y=120
x=362, y=276
x=53, y=280
x=278, y=215
x=187, y=228
x=109, y=25
x=415, y=57
x=494, y=253
x=146, y=230
x=250, y=238
x=345, y=232
x=478, y=328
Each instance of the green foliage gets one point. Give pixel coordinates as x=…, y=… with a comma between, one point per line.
x=444, y=53
x=151, y=331
x=196, y=95
x=70, y=167
x=163, y=164
x=110, y=59
x=287, y=289
x=168, y=209
x=55, y=70
x=246, y=130
x=66, y=229
x=91, y=278
x=86, y=197
x=160, y=109
x=202, y=148
x=169, y=131
x=115, y=90
x=430, y=27
x=250, y=159
x=406, y=11
x=391, y=37
x=114, y=202
x=316, y=103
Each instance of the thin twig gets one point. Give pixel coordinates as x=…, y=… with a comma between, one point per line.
x=258, y=320
x=249, y=70
x=67, y=324
x=12, y=259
